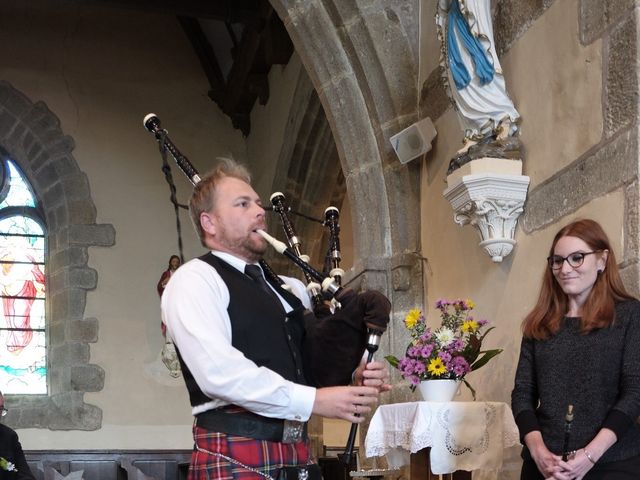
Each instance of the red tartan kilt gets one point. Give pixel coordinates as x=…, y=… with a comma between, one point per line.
x=265, y=456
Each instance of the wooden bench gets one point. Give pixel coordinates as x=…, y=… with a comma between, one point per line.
x=110, y=464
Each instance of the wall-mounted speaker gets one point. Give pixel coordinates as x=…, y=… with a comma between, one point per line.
x=414, y=140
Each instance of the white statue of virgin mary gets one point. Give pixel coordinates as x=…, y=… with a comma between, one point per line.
x=473, y=73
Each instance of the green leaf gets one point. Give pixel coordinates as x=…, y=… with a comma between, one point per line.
x=392, y=360
x=485, y=334
x=473, y=392
x=488, y=355
x=475, y=344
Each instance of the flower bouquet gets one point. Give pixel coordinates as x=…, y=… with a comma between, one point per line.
x=449, y=352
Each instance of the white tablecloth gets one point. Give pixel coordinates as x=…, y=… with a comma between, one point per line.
x=462, y=435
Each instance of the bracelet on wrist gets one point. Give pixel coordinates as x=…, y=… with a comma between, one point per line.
x=588, y=455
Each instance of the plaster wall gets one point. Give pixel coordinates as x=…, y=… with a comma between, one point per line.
x=556, y=84
x=429, y=44
x=100, y=70
x=268, y=126
x=552, y=89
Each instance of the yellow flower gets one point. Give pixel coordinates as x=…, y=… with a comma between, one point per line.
x=412, y=318
x=470, y=326
x=470, y=304
x=436, y=367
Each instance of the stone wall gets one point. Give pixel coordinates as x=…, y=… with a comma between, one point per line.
x=32, y=136
x=571, y=70
x=362, y=61
x=71, y=116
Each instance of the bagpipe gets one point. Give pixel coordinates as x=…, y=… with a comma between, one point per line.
x=344, y=324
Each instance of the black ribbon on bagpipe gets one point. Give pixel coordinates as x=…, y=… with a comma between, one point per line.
x=166, y=169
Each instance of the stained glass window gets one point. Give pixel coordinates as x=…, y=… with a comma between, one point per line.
x=23, y=360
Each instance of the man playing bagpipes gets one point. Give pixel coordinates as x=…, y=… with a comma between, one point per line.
x=256, y=363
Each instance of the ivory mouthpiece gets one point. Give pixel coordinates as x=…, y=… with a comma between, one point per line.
x=332, y=209
x=569, y=416
x=275, y=243
x=151, y=122
x=277, y=196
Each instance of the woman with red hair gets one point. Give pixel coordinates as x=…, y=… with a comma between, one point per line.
x=580, y=347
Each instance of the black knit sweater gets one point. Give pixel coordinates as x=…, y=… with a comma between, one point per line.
x=598, y=373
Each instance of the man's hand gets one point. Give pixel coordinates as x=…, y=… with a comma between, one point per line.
x=373, y=374
x=346, y=403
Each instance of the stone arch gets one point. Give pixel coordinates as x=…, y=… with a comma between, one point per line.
x=32, y=136
x=308, y=168
x=362, y=61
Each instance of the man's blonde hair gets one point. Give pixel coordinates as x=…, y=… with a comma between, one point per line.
x=202, y=198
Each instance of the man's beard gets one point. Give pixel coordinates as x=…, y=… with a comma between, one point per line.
x=249, y=248
x=254, y=250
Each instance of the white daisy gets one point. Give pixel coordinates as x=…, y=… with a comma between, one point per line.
x=444, y=336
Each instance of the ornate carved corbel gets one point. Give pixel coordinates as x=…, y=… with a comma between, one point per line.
x=491, y=201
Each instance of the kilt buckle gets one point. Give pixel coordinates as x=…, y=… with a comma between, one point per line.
x=292, y=432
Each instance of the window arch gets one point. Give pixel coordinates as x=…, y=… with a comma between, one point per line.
x=32, y=138
x=23, y=362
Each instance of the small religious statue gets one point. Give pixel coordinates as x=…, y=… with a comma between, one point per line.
x=475, y=82
x=174, y=263
x=169, y=355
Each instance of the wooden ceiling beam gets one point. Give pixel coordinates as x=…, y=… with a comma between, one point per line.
x=258, y=50
x=264, y=42
x=277, y=43
x=205, y=53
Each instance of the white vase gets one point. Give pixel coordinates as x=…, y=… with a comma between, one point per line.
x=438, y=390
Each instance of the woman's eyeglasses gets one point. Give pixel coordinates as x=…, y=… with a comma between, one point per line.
x=574, y=259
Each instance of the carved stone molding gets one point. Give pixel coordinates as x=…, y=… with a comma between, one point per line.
x=492, y=203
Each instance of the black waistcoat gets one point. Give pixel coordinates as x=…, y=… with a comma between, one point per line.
x=259, y=330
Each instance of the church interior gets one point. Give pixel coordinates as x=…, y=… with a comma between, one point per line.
x=308, y=95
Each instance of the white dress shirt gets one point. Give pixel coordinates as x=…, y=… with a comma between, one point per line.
x=194, y=308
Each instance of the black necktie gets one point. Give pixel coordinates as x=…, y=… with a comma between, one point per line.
x=255, y=272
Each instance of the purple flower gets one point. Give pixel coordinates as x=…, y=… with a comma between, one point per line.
x=444, y=356
x=442, y=304
x=459, y=366
x=413, y=351
x=456, y=345
x=483, y=322
x=405, y=366
x=427, y=350
x=426, y=336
